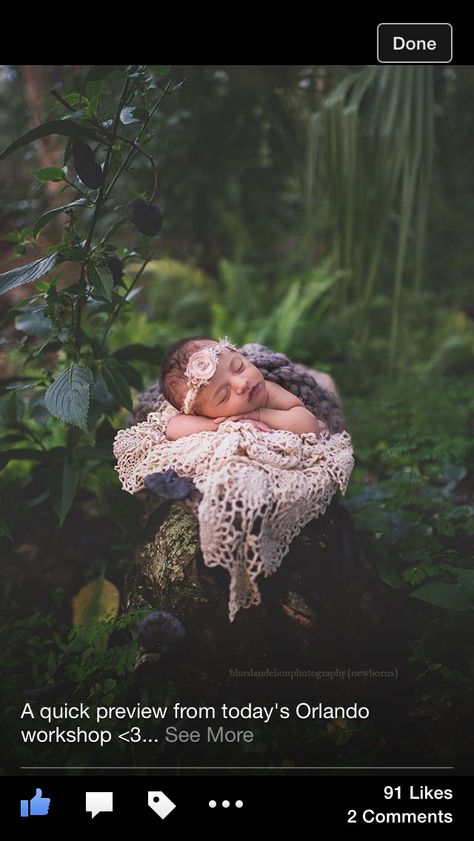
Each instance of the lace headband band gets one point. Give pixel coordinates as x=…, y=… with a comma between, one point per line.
x=201, y=368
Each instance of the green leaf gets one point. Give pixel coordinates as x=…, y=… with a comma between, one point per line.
x=96, y=602
x=447, y=596
x=4, y=530
x=124, y=510
x=99, y=71
x=50, y=214
x=133, y=377
x=117, y=385
x=160, y=69
x=68, y=128
x=95, y=453
x=102, y=281
x=34, y=323
x=49, y=173
x=68, y=397
x=21, y=454
x=8, y=408
x=20, y=383
x=28, y=273
x=139, y=351
x=62, y=486
x=466, y=581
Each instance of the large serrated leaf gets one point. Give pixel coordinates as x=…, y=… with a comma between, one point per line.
x=68, y=128
x=68, y=397
x=28, y=273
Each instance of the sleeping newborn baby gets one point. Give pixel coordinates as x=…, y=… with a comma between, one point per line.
x=211, y=382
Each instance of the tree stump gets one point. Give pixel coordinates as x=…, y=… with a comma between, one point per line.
x=321, y=607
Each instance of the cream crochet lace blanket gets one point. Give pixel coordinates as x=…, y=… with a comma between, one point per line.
x=258, y=488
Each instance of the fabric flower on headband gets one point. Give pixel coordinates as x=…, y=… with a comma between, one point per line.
x=201, y=368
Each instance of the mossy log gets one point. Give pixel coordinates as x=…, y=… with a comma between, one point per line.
x=321, y=607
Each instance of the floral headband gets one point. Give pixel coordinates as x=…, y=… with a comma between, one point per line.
x=201, y=368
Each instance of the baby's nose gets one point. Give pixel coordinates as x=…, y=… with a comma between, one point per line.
x=241, y=384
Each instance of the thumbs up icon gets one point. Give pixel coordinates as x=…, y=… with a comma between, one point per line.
x=38, y=805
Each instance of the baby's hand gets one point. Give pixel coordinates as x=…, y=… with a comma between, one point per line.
x=263, y=427
x=253, y=415
x=247, y=417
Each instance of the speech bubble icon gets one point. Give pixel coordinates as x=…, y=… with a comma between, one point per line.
x=99, y=801
x=160, y=803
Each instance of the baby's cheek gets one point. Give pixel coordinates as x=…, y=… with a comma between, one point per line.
x=213, y=411
x=242, y=406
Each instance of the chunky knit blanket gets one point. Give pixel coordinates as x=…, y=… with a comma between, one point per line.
x=257, y=489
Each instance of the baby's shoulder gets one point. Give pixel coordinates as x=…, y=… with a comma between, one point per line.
x=279, y=398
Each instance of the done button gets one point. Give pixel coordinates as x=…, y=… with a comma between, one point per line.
x=414, y=43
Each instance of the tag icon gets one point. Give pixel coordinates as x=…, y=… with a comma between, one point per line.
x=160, y=803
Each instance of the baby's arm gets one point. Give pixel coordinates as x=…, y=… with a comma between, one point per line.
x=282, y=410
x=285, y=411
x=297, y=419
x=181, y=425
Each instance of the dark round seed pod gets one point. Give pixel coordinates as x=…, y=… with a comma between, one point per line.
x=82, y=153
x=160, y=629
x=92, y=177
x=116, y=267
x=145, y=216
x=89, y=171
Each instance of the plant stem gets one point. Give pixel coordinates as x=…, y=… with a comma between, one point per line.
x=71, y=184
x=116, y=311
x=79, y=303
x=135, y=143
x=24, y=428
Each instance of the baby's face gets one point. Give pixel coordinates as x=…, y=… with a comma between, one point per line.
x=231, y=390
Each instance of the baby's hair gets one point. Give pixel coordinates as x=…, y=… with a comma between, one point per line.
x=173, y=383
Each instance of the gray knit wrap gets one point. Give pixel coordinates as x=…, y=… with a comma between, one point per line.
x=277, y=368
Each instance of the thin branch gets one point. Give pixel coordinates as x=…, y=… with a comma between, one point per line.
x=129, y=156
x=124, y=298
